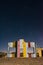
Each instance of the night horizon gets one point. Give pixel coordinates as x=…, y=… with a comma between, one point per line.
x=21, y=20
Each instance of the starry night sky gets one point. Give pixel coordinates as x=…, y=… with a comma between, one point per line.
x=21, y=19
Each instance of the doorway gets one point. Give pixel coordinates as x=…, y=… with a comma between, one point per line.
x=42, y=53
x=37, y=54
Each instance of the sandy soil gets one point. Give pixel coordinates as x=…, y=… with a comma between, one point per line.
x=20, y=61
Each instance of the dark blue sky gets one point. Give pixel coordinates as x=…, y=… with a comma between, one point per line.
x=21, y=19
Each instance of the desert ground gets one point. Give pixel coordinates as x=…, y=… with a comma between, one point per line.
x=21, y=61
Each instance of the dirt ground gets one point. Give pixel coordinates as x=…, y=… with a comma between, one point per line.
x=21, y=61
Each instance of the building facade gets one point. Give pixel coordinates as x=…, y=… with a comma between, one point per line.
x=22, y=49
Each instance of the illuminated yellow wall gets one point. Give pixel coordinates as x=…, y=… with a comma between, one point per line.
x=24, y=49
x=14, y=44
x=38, y=50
